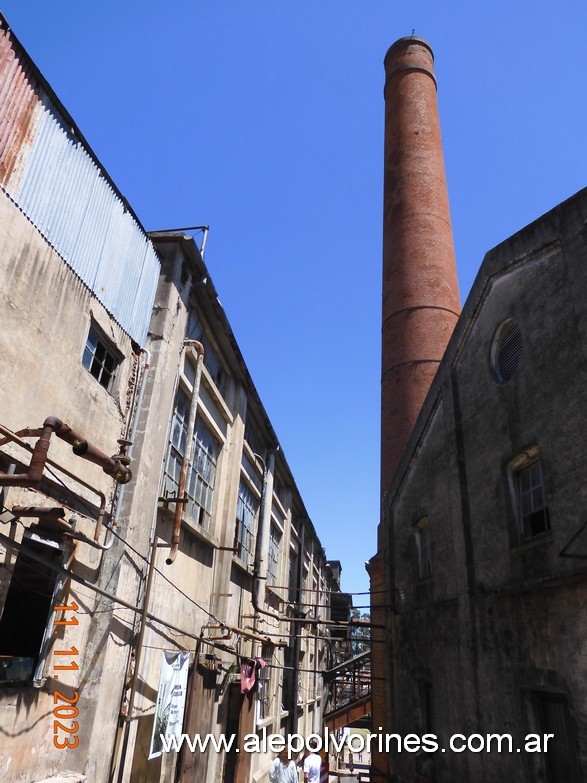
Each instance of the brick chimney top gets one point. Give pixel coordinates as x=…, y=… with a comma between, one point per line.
x=420, y=290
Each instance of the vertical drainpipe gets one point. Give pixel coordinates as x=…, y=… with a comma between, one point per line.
x=262, y=546
x=189, y=449
x=297, y=630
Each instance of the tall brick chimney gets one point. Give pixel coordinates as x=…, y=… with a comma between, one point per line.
x=420, y=309
x=420, y=290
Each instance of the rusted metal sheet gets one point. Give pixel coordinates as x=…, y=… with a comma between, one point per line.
x=51, y=174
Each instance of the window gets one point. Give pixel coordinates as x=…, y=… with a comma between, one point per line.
x=426, y=706
x=287, y=691
x=201, y=473
x=553, y=717
x=195, y=331
x=264, y=684
x=423, y=548
x=273, y=559
x=27, y=610
x=253, y=439
x=531, y=509
x=100, y=360
x=280, y=490
x=247, y=511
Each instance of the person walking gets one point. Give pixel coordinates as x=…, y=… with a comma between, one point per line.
x=283, y=769
x=312, y=764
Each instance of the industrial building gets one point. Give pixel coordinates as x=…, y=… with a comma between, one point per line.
x=479, y=582
x=190, y=549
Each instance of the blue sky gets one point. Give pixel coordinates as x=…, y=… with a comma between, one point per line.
x=264, y=119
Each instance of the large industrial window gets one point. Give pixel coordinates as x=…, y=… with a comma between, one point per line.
x=201, y=475
x=247, y=511
x=531, y=508
x=423, y=548
x=27, y=609
x=273, y=560
x=100, y=360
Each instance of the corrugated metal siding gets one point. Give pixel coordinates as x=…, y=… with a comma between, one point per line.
x=57, y=184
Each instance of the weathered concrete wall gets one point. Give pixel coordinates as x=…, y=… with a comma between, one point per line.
x=46, y=313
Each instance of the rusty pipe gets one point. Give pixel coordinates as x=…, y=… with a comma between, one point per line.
x=23, y=480
x=112, y=466
x=39, y=457
x=189, y=449
x=37, y=464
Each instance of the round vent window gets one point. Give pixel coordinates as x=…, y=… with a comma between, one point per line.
x=507, y=350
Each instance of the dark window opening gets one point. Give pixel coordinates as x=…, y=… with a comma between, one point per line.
x=426, y=706
x=424, y=548
x=28, y=603
x=287, y=692
x=99, y=360
x=560, y=758
x=293, y=596
x=533, y=514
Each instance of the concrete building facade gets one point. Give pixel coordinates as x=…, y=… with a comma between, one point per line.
x=480, y=574
x=116, y=344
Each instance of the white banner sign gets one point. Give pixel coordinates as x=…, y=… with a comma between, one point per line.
x=170, y=700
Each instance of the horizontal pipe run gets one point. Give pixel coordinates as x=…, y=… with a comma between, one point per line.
x=248, y=634
x=20, y=480
x=112, y=466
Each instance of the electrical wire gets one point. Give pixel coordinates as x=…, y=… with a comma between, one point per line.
x=193, y=601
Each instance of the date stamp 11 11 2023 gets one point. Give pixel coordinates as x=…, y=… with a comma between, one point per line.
x=65, y=709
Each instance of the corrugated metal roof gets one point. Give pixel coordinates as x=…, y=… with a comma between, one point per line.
x=54, y=178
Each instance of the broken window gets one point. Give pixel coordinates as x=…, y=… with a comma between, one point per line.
x=246, y=523
x=27, y=610
x=100, y=360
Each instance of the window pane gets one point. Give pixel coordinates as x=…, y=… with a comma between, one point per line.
x=247, y=509
x=88, y=357
x=525, y=479
x=531, y=501
x=99, y=360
